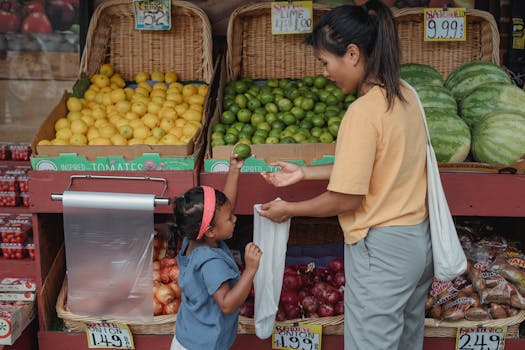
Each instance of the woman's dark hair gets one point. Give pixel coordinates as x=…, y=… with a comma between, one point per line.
x=188, y=212
x=370, y=27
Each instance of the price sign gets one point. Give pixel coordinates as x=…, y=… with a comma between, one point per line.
x=109, y=336
x=297, y=336
x=292, y=17
x=445, y=24
x=490, y=338
x=152, y=14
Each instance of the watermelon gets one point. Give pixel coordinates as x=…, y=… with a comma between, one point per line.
x=488, y=98
x=438, y=97
x=414, y=73
x=499, y=138
x=468, y=76
x=449, y=135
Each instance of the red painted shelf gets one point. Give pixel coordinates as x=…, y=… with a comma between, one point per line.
x=468, y=194
x=15, y=210
x=24, y=268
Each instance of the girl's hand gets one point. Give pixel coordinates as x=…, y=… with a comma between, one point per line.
x=235, y=163
x=275, y=210
x=252, y=256
x=289, y=174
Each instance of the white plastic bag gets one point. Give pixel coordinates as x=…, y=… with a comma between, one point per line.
x=272, y=238
x=449, y=257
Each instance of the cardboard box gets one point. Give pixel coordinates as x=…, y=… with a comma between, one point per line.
x=109, y=158
x=13, y=320
x=17, y=285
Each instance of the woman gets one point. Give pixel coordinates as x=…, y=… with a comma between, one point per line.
x=377, y=184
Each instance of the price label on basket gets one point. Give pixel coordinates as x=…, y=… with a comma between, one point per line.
x=109, y=336
x=482, y=338
x=297, y=336
x=292, y=17
x=445, y=24
x=152, y=14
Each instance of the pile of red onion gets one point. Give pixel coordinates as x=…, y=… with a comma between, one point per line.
x=308, y=292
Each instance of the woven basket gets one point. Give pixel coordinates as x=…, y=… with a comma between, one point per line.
x=331, y=325
x=185, y=49
x=482, y=41
x=160, y=325
x=254, y=52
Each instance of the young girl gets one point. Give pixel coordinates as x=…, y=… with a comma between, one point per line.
x=377, y=183
x=212, y=288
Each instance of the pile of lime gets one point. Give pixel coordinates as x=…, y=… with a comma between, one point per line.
x=307, y=110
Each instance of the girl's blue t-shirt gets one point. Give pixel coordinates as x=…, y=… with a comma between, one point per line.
x=200, y=322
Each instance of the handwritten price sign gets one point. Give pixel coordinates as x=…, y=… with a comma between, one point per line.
x=109, y=336
x=297, y=336
x=492, y=338
x=291, y=17
x=445, y=25
x=152, y=14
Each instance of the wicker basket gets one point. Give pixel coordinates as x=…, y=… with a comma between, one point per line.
x=331, y=325
x=160, y=325
x=254, y=52
x=482, y=41
x=185, y=49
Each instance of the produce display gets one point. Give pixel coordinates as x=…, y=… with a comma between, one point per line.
x=492, y=287
x=166, y=291
x=17, y=236
x=307, y=110
x=14, y=186
x=105, y=110
x=480, y=90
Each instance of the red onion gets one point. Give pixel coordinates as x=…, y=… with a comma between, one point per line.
x=312, y=315
x=289, y=298
x=291, y=282
x=310, y=304
x=339, y=308
x=326, y=310
x=292, y=311
x=280, y=316
x=332, y=296
x=319, y=290
x=289, y=270
x=339, y=279
x=335, y=265
x=302, y=294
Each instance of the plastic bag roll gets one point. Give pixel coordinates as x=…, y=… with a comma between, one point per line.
x=272, y=238
x=109, y=246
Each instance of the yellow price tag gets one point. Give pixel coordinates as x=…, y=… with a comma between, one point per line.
x=481, y=338
x=109, y=336
x=445, y=24
x=292, y=17
x=297, y=336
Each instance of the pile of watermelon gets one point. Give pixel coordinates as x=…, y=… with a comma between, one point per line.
x=476, y=109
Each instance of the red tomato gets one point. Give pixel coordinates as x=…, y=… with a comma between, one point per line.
x=9, y=22
x=36, y=22
x=33, y=6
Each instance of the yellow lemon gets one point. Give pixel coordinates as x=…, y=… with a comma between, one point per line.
x=169, y=104
x=176, y=85
x=169, y=139
x=139, y=107
x=100, y=141
x=118, y=80
x=196, y=100
x=168, y=113
x=106, y=99
x=150, y=120
x=141, y=76
x=166, y=124
x=145, y=85
x=73, y=115
x=160, y=86
x=197, y=108
x=74, y=104
x=135, y=141
x=141, y=132
x=126, y=131
x=123, y=106
x=141, y=91
x=44, y=143
x=154, y=108
x=106, y=89
x=86, y=111
x=117, y=95
x=192, y=114
x=90, y=94
x=189, y=130
x=78, y=126
x=106, y=69
x=176, y=131
x=118, y=140
x=188, y=90
x=63, y=134
x=89, y=120
x=179, y=123
x=175, y=97
x=92, y=133
x=131, y=115
x=157, y=132
x=158, y=99
x=59, y=142
x=101, y=81
x=157, y=76
x=78, y=140
x=129, y=92
x=203, y=90
x=160, y=93
x=181, y=108
x=135, y=123
x=99, y=113
x=197, y=124
x=118, y=123
x=62, y=123
x=94, y=88
x=184, y=139
x=170, y=77
x=99, y=97
x=151, y=140
x=107, y=131
x=100, y=122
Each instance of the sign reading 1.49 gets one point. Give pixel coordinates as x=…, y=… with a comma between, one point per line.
x=445, y=24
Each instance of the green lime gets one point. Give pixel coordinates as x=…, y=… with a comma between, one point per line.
x=247, y=140
x=338, y=93
x=306, y=124
x=320, y=81
x=219, y=128
x=275, y=133
x=307, y=103
x=242, y=150
x=323, y=94
x=334, y=128
x=240, y=86
x=248, y=129
x=258, y=139
x=272, y=139
x=312, y=139
x=227, y=102
x=319, y=107
x=228, y=117
x=244, y=115
x=297, y=112
x=272, y=83
x=253, y=90
x=243, y=135
x=333, y=120
x=349, y=99
x=297, y=101
x=316, y=131
x=261, y=132
x=294, y=129
x=230, y=139
x=278, y=124
x=299, y=137
x=289, y=118
x=256, y=119
x=271, y=107
x=232, y=130
x=287, y=139
x=331, y=100
x=270, y=118
x=217, y=135
x=253, y=104
x=318, y=120
x=264, y=126
x=266, y=97
x=234, y=108
x=308, y=80
x=217, y=142
x=260, y=110
x=278, y=91
x=326, y=137
x=284, y=104
x=241, y=100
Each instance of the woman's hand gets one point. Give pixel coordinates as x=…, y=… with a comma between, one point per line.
x=235, y=163
x=289, y=174
x=275, y=210
x=252, y=256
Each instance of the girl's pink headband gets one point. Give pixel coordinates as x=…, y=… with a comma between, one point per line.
x=208, y=211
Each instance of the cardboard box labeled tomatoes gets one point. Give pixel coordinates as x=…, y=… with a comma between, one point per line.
x=108, y=158
x=13, y=320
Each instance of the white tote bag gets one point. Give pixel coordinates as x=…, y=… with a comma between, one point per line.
x=449, y=257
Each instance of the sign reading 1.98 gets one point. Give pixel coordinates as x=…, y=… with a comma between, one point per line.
x=297, y=336
x=445, y=24
x=109, y=336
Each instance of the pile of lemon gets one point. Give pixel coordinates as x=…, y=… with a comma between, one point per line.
x=158, y=111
